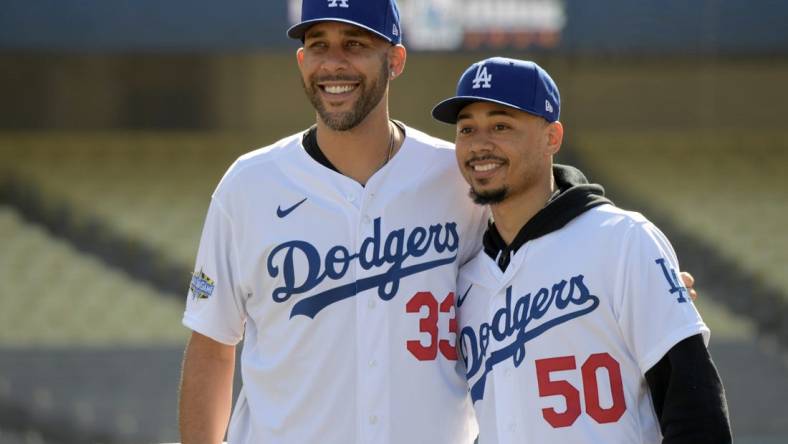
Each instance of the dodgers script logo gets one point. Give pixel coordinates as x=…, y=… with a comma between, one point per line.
x=513, y=322
x=387, y=254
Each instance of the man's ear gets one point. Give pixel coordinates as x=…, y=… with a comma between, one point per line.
x=555, y=137
x=300, y=56
x=397, y=56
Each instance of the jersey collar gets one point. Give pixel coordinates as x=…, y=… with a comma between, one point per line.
x=575, y=196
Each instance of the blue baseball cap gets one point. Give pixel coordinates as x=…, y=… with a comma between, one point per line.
x=380, y=17
x=514, y=83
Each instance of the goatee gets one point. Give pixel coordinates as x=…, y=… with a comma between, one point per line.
x=489, y=197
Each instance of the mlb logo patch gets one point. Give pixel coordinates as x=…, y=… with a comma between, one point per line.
x=201, y=285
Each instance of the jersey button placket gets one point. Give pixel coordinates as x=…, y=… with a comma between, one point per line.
x=508, y=390
x=372, y=336
x=503, y=383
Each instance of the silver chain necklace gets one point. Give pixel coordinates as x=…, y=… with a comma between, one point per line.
x=392, y=142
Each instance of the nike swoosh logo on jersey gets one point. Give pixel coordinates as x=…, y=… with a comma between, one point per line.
x=283, y=213
x=461, y=299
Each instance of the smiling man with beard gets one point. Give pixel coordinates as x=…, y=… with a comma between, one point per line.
x=333, y=254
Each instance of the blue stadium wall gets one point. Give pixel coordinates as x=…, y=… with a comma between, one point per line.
x=594, y=26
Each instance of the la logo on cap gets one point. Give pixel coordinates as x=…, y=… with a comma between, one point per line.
x=338, y=3
x=483, y=78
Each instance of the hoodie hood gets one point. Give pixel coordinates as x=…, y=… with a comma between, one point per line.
x=575, y=196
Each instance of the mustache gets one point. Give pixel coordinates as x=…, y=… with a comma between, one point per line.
x=485, y=157
x=336, y=78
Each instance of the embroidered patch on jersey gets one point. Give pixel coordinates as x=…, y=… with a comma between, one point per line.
x=201, y=286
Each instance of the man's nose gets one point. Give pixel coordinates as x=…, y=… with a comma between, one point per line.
x=335, y=61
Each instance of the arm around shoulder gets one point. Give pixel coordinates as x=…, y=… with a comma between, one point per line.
x=206, y=390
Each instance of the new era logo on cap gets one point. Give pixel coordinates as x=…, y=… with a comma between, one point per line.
x=380, y=17
x=519, y=84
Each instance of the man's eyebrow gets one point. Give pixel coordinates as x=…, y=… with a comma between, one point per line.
x=500, y=112
x=356, y=32
x=314, y=34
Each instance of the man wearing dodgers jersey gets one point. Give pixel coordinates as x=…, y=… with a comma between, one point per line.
x=573, y=324
x=334, y=254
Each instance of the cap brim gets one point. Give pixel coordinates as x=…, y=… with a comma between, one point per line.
x=448, y=110
x=297, y=31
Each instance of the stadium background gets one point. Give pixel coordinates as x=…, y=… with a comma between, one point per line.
x=118, y=118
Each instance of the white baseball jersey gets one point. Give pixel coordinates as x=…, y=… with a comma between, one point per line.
x=557, y=346
x=343, y=294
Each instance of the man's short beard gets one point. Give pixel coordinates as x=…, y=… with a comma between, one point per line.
x=489, y=197
x=366, y=103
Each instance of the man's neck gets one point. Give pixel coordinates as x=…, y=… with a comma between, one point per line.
x=513, y=213
x=359, y=152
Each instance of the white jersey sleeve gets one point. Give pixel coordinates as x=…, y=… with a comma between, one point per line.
x=654, y=309
x=215, y=304
x=471, y=244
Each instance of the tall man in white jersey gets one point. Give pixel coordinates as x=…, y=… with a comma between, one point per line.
x=334, y=254
x=574, y=326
